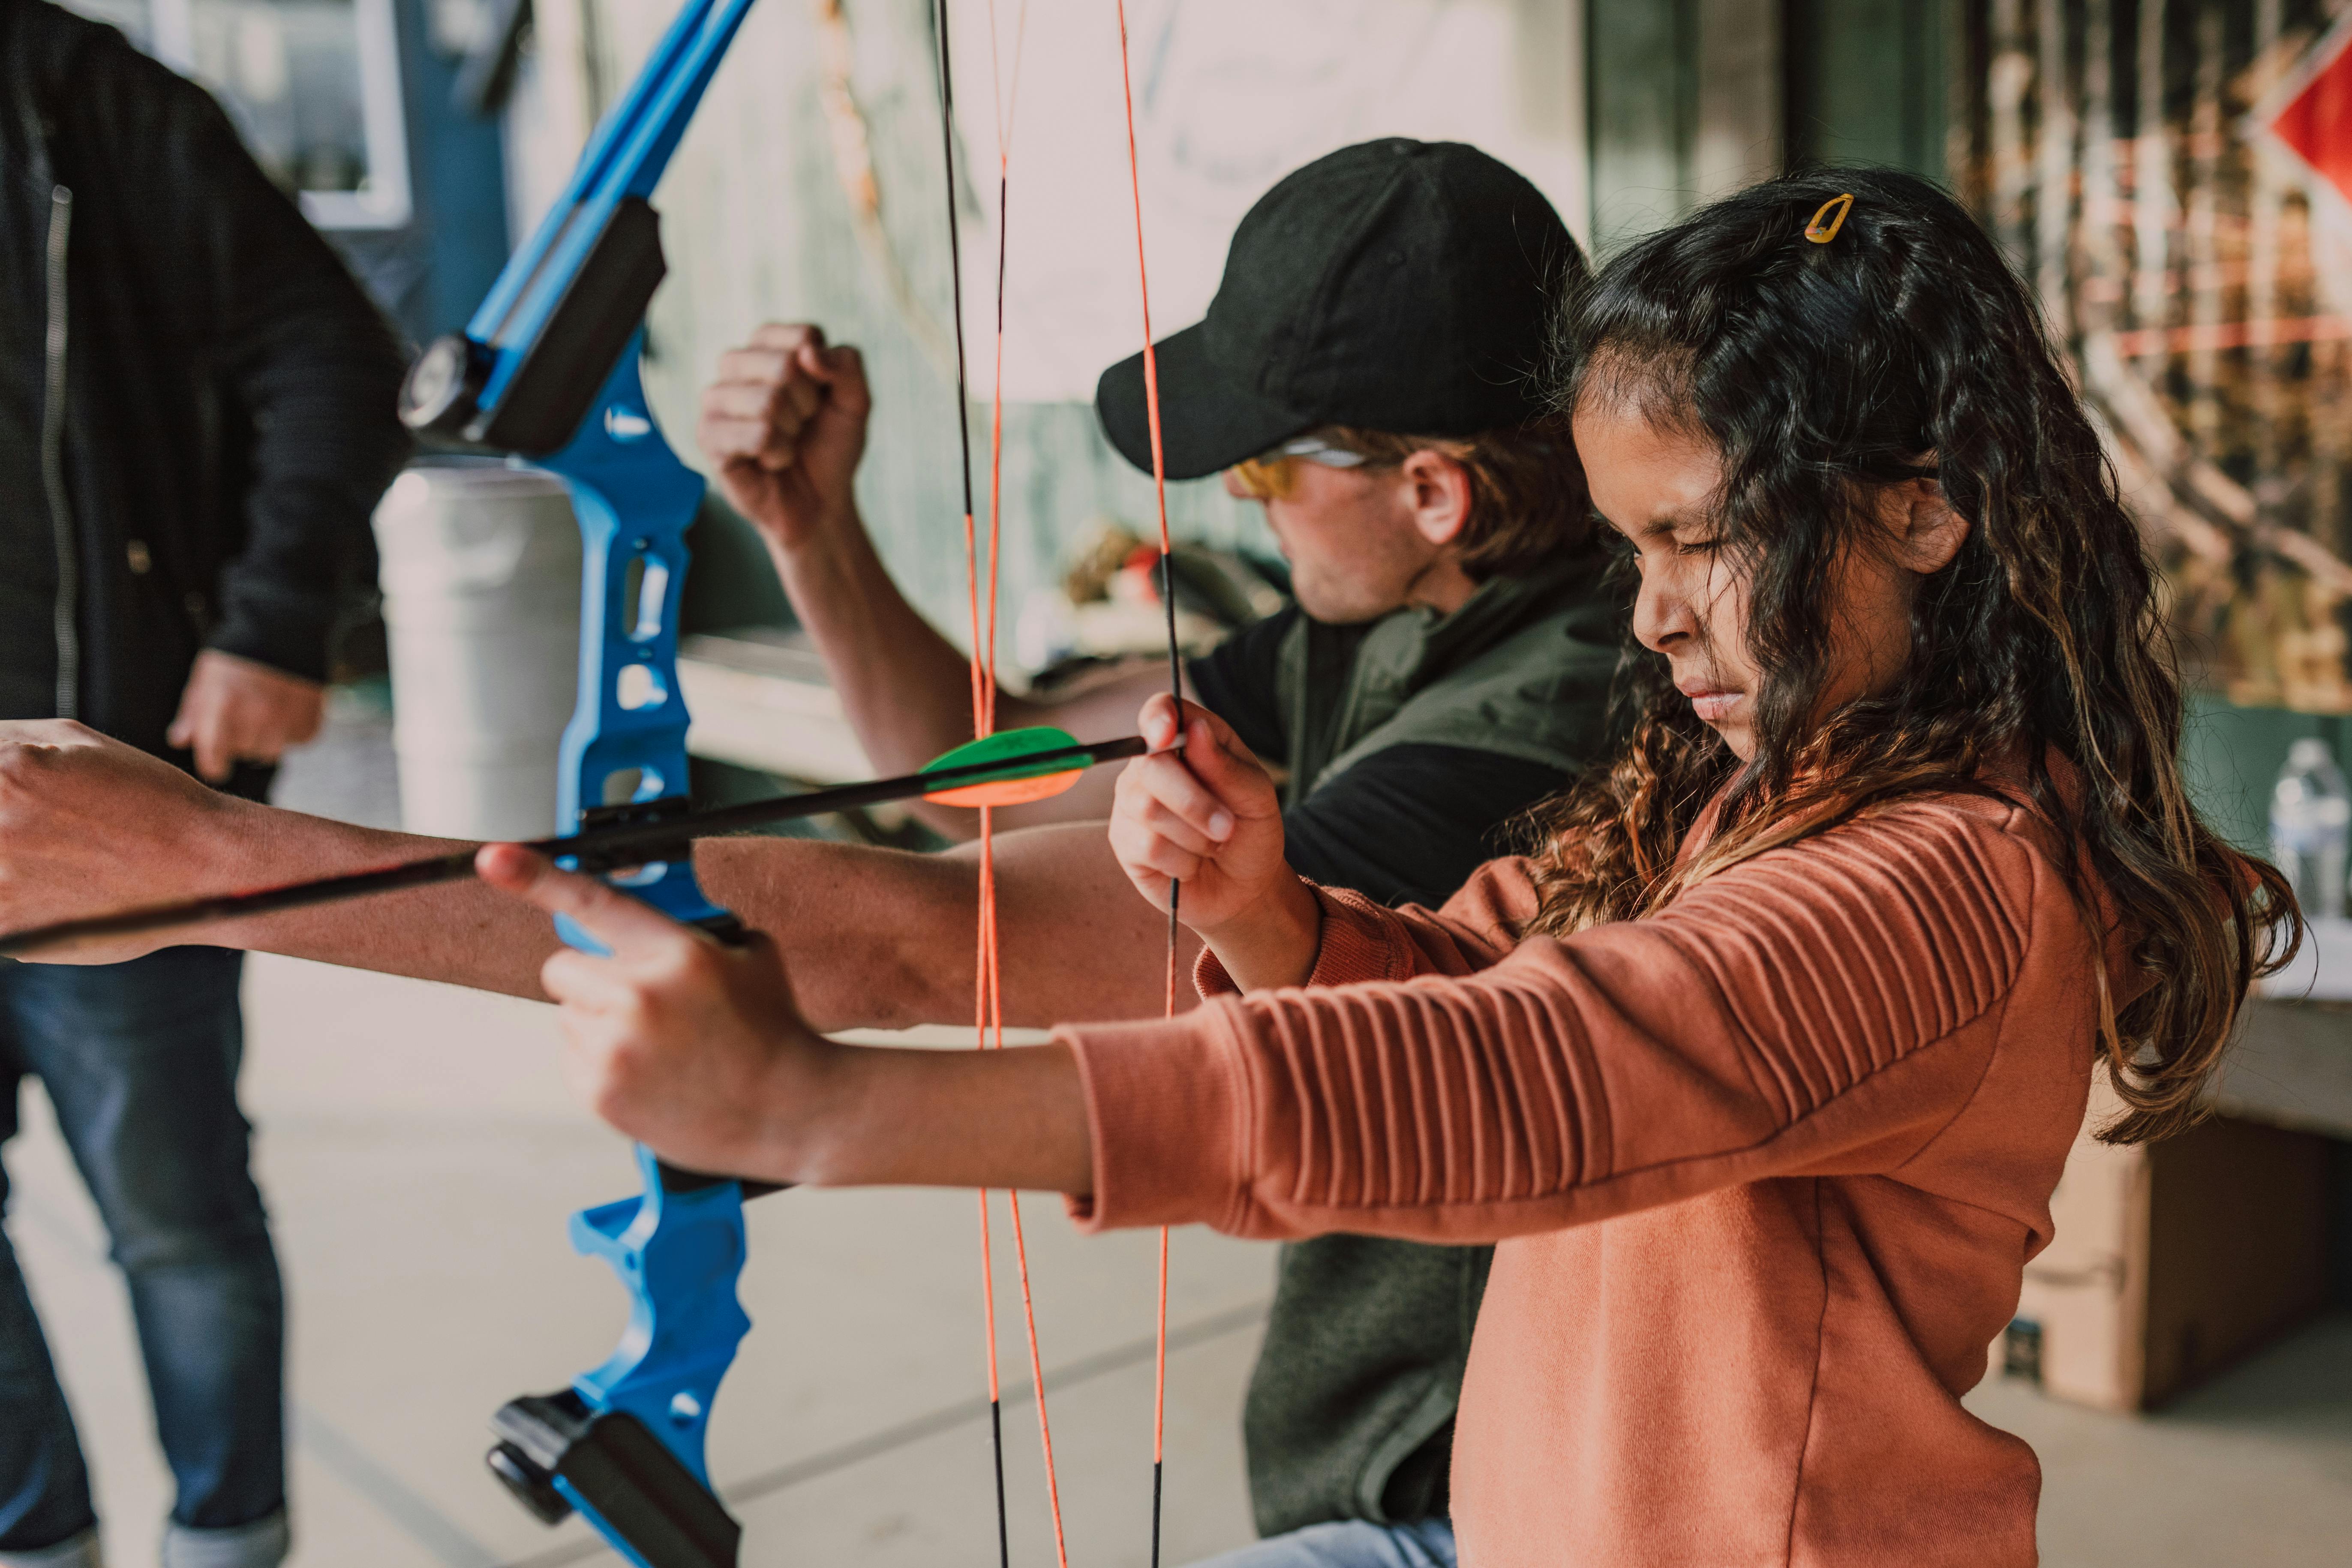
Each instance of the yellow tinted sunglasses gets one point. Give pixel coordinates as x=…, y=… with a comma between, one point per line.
x=1267, y=476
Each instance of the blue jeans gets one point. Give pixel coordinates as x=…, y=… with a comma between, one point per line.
x=140, y=1061
x=1425, y=1543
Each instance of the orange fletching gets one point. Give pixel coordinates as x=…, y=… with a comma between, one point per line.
x=1007, y=792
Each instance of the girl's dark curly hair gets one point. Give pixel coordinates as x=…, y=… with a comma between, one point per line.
x=1822, y=374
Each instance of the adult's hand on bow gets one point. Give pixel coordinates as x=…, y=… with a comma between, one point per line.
x=89, y=826
x=784, y=420
x=1209, y=817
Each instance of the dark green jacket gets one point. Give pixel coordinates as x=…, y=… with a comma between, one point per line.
x=1350, y=1408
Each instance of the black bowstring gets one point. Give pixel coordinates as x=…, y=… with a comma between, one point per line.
x=964, y=443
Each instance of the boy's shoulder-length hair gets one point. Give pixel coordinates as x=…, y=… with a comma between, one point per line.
x=1527, y=501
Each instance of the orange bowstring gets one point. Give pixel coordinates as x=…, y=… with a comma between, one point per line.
x=983, y=670
x=989, y=1001
x=1176, y=692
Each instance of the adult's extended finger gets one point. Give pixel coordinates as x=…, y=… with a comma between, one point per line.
x=626, y=925
x=210, y=741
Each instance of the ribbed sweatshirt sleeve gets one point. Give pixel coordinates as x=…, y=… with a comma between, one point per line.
x=1808, y=1010
x=1365, y=940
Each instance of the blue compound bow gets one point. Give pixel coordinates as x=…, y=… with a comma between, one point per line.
x=548, y=370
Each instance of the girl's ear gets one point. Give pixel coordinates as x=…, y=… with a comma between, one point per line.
x=1438, y=491
x=1928, y=532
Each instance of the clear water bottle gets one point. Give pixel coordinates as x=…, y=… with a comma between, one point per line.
x=2311, y=817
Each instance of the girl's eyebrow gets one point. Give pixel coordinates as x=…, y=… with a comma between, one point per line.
x=1659, y=523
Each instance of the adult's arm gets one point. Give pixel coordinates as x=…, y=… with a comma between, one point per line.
x=301, y=352
x=784, y=423
x=881, y=938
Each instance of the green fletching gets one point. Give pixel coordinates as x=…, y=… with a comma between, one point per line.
x=1011, y=747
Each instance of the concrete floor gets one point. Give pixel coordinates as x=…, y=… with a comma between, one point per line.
x=421, y=1157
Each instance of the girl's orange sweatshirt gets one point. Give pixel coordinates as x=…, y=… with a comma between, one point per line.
x=1764, y=1170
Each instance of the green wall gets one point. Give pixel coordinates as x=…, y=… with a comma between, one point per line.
x=1860, y=81
x=1867, y=81
x=1641, y=114
x=2231, y=755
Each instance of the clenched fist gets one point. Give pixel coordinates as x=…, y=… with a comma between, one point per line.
x=784, y=421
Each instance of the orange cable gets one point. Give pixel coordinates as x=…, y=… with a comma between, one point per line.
x=1176, y=692
x=989, y=981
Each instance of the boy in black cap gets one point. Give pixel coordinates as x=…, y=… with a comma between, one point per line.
x=1369, y=372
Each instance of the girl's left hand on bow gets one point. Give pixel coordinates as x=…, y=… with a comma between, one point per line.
x=690, y=1046
x=694, y=1049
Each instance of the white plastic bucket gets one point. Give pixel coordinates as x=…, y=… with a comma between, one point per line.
x=481, y=569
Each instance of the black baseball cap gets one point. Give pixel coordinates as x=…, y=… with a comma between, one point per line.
x=1394, y=285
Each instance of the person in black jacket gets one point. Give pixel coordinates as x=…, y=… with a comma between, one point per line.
x=196, y=417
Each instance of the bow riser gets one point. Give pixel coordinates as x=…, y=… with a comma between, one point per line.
x=627, y=739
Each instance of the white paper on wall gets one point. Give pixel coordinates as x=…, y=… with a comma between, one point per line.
x=1229, y=95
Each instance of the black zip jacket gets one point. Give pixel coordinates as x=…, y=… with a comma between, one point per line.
x=218, y=396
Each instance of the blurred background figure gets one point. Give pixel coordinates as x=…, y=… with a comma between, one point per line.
x=195, y=421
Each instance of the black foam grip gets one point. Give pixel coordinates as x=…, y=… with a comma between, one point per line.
x=674, y=1180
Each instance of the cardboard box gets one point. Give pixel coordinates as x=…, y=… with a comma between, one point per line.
x=2171, y=1260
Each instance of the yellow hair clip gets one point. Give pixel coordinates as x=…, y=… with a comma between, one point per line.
x=1819, y=235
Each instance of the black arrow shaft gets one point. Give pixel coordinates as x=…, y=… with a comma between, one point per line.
x=610, y=847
